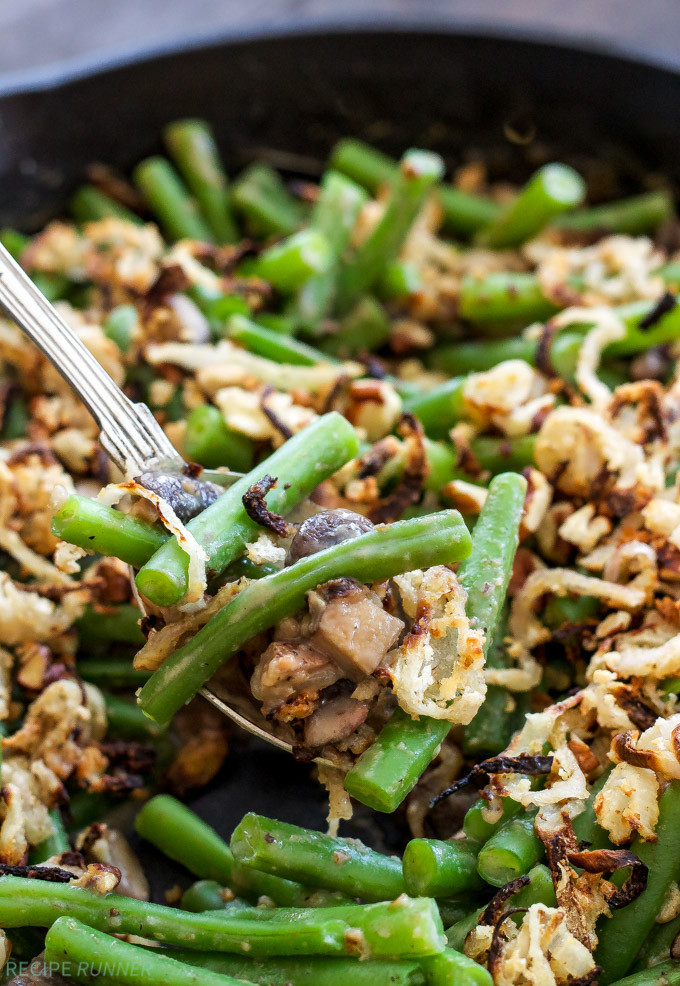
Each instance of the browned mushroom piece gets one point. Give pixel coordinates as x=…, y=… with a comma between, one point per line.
x=290, y=668
x=187, y=496
x=325, y=529
x=335, y=720
x=352, y=626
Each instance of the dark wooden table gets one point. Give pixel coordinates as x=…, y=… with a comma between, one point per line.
x=42, y=32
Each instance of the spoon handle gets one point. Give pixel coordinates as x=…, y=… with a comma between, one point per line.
x=130, y=434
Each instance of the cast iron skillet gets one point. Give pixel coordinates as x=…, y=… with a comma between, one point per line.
x=516, y=103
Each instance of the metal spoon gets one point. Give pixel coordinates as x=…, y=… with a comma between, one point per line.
x=129, y=433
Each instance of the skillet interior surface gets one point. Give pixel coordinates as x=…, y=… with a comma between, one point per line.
x=514, y=103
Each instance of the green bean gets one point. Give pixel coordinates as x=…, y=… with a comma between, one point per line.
x=503, y=454
x=218, y=307
x=127, y=720
x=403, y=928
x=207, y=440
x=399, y=280
x=259, y=195
x=312, y=969
x=496, y=538
x=491, y=729
x=15, y=420
x=169, y=200
x=564, y=349
x=458, y=932
x=53, y=286
x=621, y=936
x=89, y=205
x=115, y=624
x=417, y=172
x=390, y=768
x=85, y=807
x=284, y=325
x=191, y=145
x=656, y=947
x=463, y=214
x=112, y=672
x=561, y=610
x=289, y=263
x=552, y=190
x=452, y=909
x=452, y=968
x=670, y=686
x=637, y=339
x=477, y=827
x=634, y=216
x=54, y=844
x=503, y=297
x=665, y=974
x=440, y=408
x=94, y=526
x=271, y=344
x=671, y=275
x=457, y=358
x=174, y=829
x=539, y=890
x=363, y=330
x=119, y=325
x=244, y=566
x=511, y=851
x=506, y=298
x=433, y=868
x=334, y=216
x=85, y=955
x=337, y=208
x=363, y=164
x=315, y=859
x=179, y=833
x=208, y=895
x=223, y=529
x=441, y=465
x=382, y=553
x=14, y=242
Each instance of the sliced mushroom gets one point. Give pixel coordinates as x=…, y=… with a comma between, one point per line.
x=187, y=496
x=335, y=720
x=353, y=628
x=325, y=529
x=289, y=668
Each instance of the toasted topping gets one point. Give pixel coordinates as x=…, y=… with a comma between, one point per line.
x=541, y=952
x=438, y=670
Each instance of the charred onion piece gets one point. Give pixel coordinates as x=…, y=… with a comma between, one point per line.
x=256, y=508
x=534, y=765
x=52, y=874
x=494, y=910
x=609, y=860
